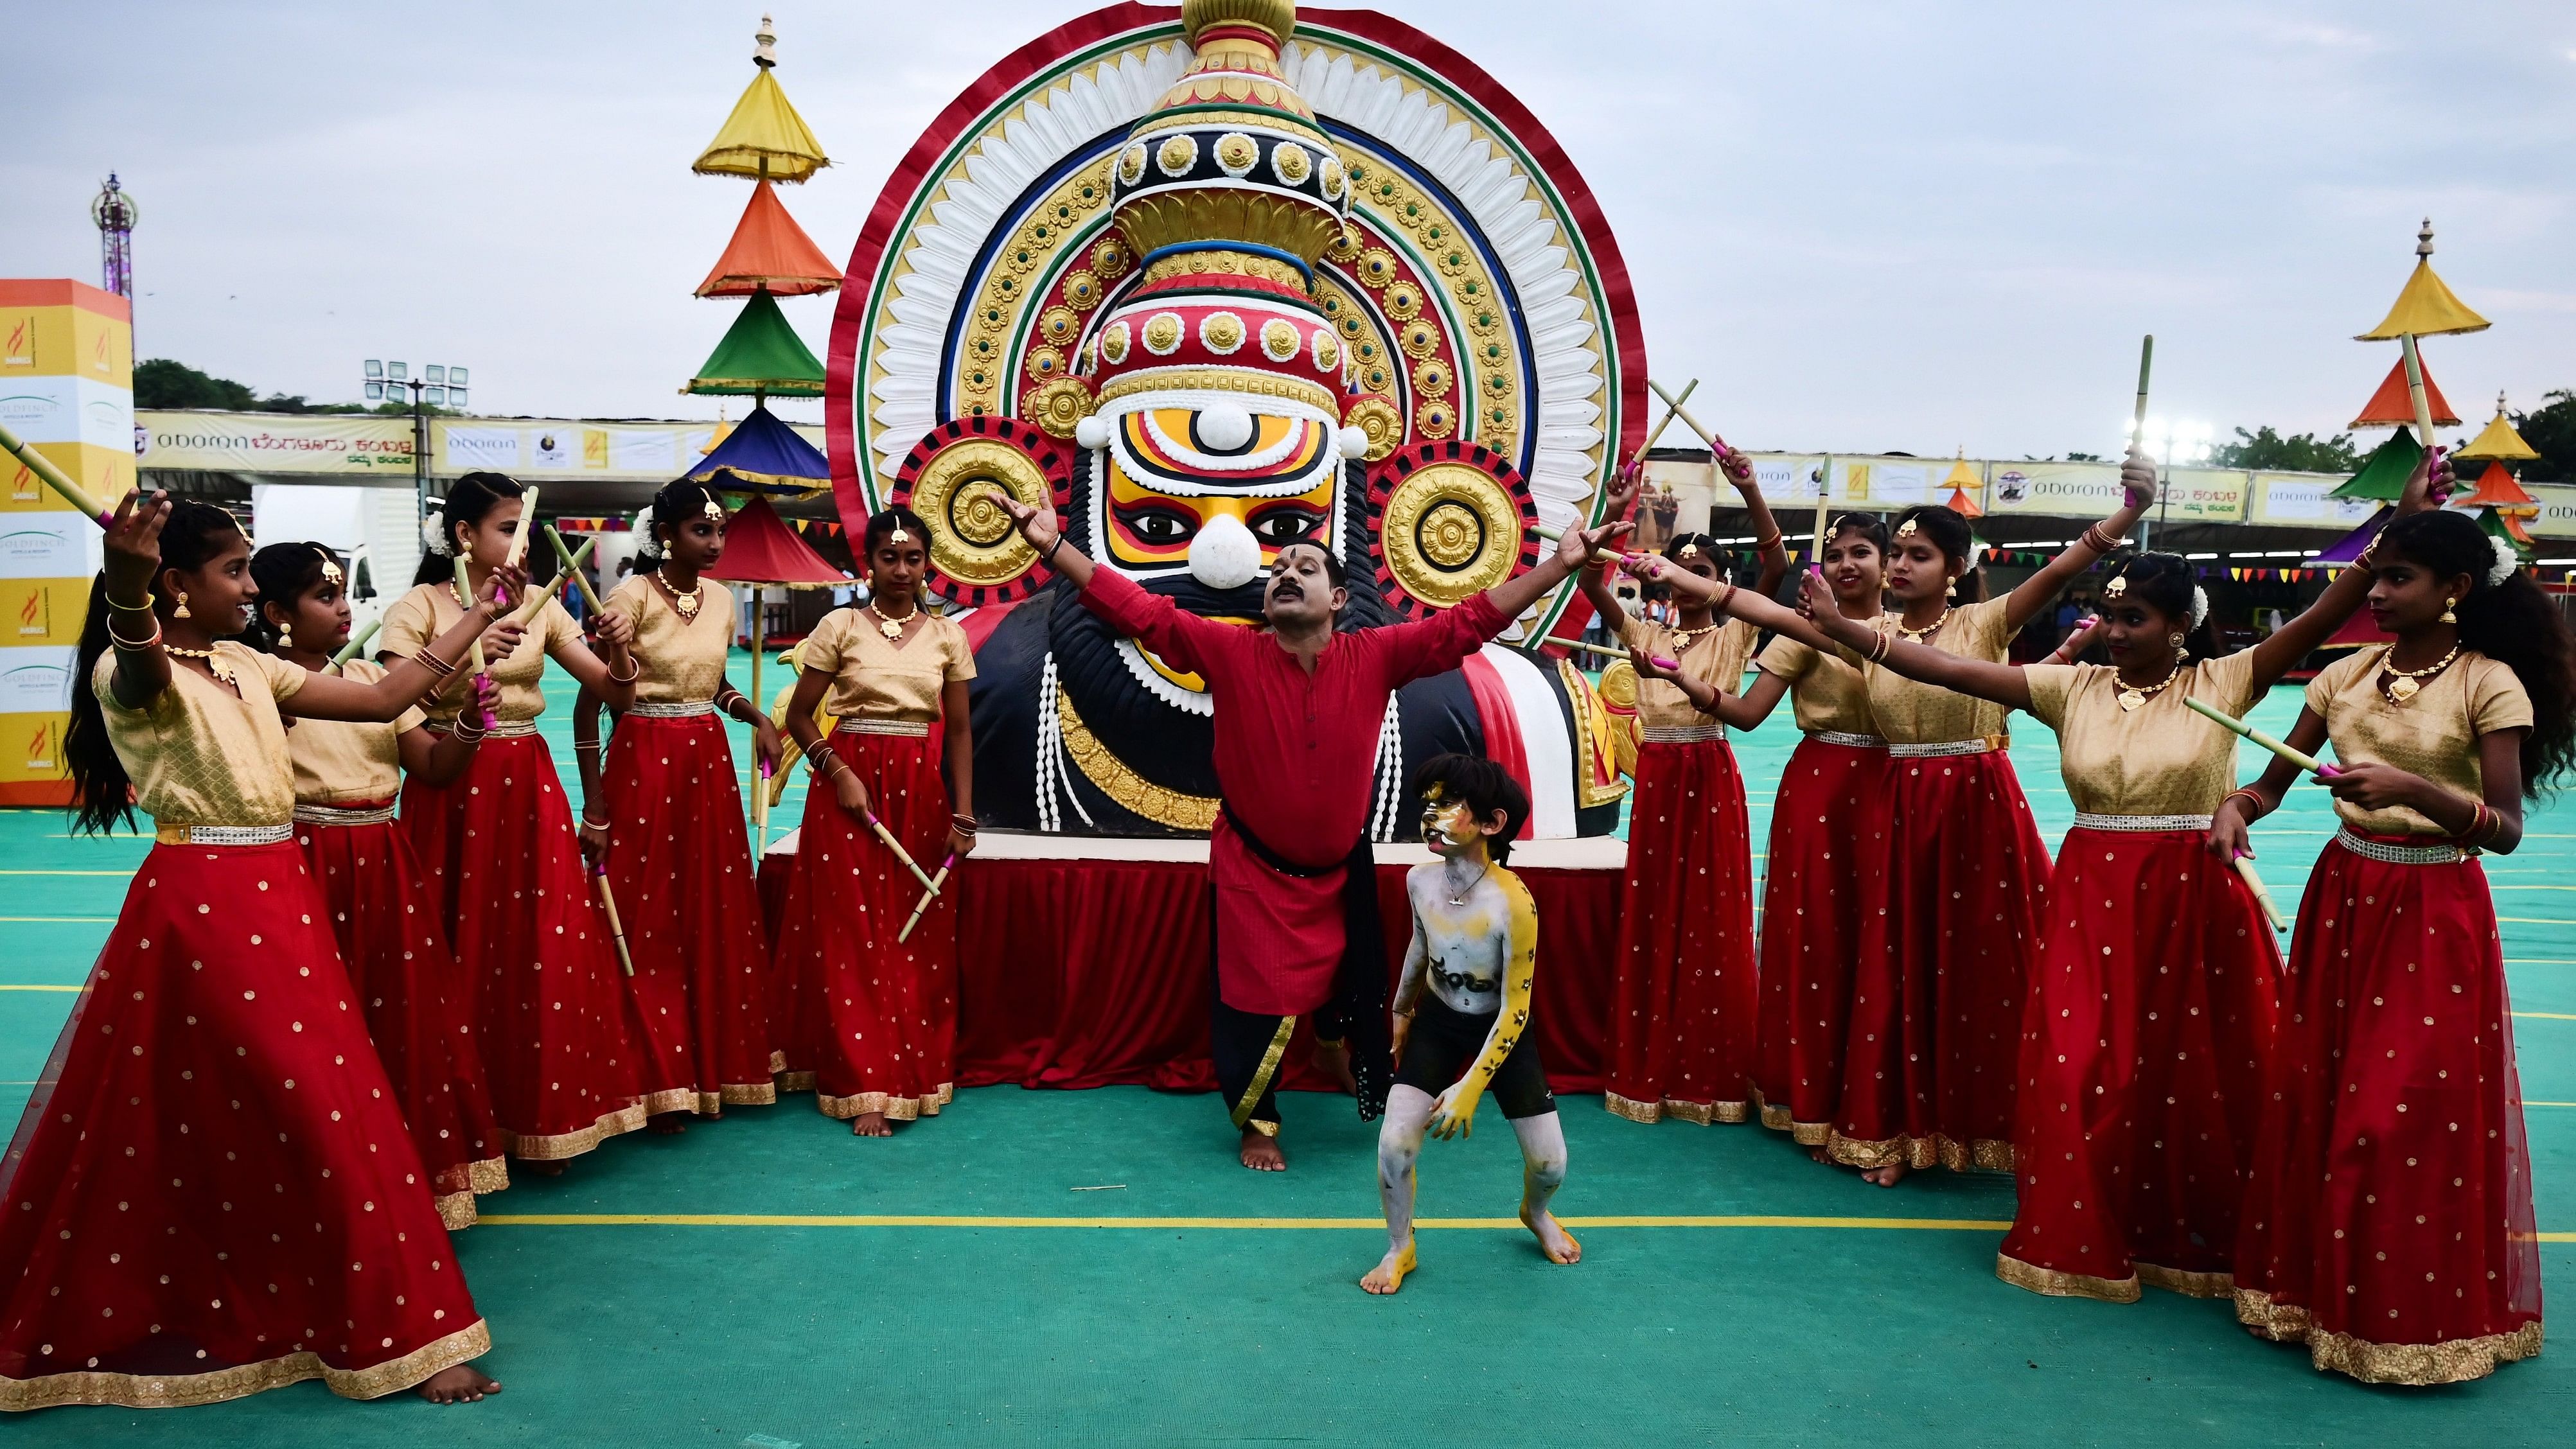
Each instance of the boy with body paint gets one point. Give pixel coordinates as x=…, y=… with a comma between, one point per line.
x=1462, y=1009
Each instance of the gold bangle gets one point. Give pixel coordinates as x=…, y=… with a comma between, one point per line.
x=432, y=662
x=2252, y=800
x=1879, y=651
x=1768, y=544
x=133, y=646
x=142, y=608
x=634, y=671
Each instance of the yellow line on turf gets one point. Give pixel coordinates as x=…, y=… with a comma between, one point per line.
x=2533, y=921
x=93, y=920
x=790, y=1220
x=2547, y=1015
x=66, y=872
x=39, y=988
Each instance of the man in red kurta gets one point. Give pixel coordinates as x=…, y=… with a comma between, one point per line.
x=1297, y=713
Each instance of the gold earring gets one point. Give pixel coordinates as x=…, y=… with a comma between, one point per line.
x=2174, y=640
x=180, y=612
x=286, y=636
x=2447, y=616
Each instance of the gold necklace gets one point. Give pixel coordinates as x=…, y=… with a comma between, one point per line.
x=892, y=628
x=684, y=602
x=2401, y=685
x=2131, y=696
x=1684, y=638
x=1919, y=635
x=216, y=665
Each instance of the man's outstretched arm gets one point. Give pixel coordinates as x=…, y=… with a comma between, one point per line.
x=1435, y=646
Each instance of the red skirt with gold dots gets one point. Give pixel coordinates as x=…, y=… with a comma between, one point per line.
x=681, y=865
x=212, y=1192
x=398, y=961
x=1933, y=1050
x=1824, y=906
x=870, y=1022
x=1681, y=1027
x=561, y=1040
x=2388, y=1222
x=2149, y=1024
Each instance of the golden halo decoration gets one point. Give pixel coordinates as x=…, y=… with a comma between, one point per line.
x=1131, y=164
x=1081, y=290
x=1058, y=407
x=971, y=537
x=1430, y=378
x=1280, y=339
x=1113, y=344
x=1291, y=163
x=1449, y=531
x=1177, y=155
x=1108, y=258
x=1162, y=335
x=1378, y=418
x=1344, y=248
x=1403, y=301
x=1436, y=420
x=1420, y=338
x=1236, y=153
x=1330, y=172
x=1328, y=353
x=1044, y=364
x=1060, y=325
x=1376, y=267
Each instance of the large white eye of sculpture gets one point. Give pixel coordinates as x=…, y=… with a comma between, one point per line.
x=1092, y=432
x=1225, y=555
x=1224, y=427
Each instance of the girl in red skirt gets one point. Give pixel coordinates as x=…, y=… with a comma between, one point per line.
x=211, y=1192
x=871, y=1021
x=1930, y=1051
x=387, y=926
x=665, y=820
x=1823, y=901
x=563, y=1044
x=2388, y=1222
x=2150, y=1018
x=1682, y=1024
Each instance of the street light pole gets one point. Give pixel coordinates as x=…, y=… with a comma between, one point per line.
x=419, y=451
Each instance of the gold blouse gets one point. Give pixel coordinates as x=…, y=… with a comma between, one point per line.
x=2157, y=759
x=874, y=679
x=2434, y=735
x=342, y=762
x=1909, y=713
x=1717, y=657
x=430, y=610
x=200, y=755
x=683, y=660
x=1826, y=693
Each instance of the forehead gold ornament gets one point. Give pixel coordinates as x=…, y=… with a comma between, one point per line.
x=1689, y=550
x=2116, y=587
x=712, y=509
x=898, y=536
x=1908, y=529
x=331, y=572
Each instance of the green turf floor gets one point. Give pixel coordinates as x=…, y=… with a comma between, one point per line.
x=835, y=1334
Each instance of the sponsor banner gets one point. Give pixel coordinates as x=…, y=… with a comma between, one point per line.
x=2053, y=490
x=220, y=442
x=64, y=341
x=1792, y=479
x=533, y=450
x=60, y=545
x=106, y=473
x=2557, y=511
x=2305, y=500
x=42, y=612
x=31, y=760
x=67, y=410
x=36, y=680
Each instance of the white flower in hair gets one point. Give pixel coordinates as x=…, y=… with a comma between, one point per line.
x=433, y=530
x=2506, y=561
x=2199, y=605
x=646, y=545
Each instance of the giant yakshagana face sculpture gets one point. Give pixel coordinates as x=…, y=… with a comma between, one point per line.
x=1135, y=276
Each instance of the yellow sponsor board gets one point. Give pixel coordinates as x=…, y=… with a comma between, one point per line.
x=51, y=329
x=106, y=473
x=31, y=760
x=42, y=611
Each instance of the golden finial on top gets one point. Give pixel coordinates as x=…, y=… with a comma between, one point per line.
x=1278, y=17
x=764, y=51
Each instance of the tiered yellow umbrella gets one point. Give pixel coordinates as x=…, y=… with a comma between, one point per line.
x=2426, y=307
x=2504, y=507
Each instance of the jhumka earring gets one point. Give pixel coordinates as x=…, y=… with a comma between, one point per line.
x=2448, y=617
x=180, y=612
x=286, y=636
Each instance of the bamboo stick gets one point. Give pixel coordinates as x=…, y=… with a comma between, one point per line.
x=927, y=897
x=2308, y=763
x=55, y=478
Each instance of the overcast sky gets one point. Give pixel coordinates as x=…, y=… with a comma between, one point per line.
x=1867, y=226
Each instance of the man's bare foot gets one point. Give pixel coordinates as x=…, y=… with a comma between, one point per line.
x=1389, y=1273
x=871, y=1124
x=1888, y=1176
x=463, y=1384
x=1261, y=1152
x=1556, y=1242
x=1333, y=1059
x=538, y=1168
x=667, y=1124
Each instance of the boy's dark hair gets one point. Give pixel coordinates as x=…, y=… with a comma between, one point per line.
x=1486, y=787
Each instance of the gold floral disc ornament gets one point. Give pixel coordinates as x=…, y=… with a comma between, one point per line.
x=1452, y=519
x=976, y=556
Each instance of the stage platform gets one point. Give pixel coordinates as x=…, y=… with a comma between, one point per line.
x=1083, y=962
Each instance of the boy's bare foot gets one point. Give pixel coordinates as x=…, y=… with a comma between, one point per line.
x=463, y=1384
x=1333, y=1059
x=1888, y=1176
x=1556, y=1242
x=534, y=1168
x=871, y=1124
x=667, y=1124
x=1389, y=1273
x=1819, y=1154
x=1261, y=1153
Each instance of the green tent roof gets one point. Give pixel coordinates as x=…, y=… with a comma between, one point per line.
x=2494, y=526
x=2384, y=476
x=760, y=353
